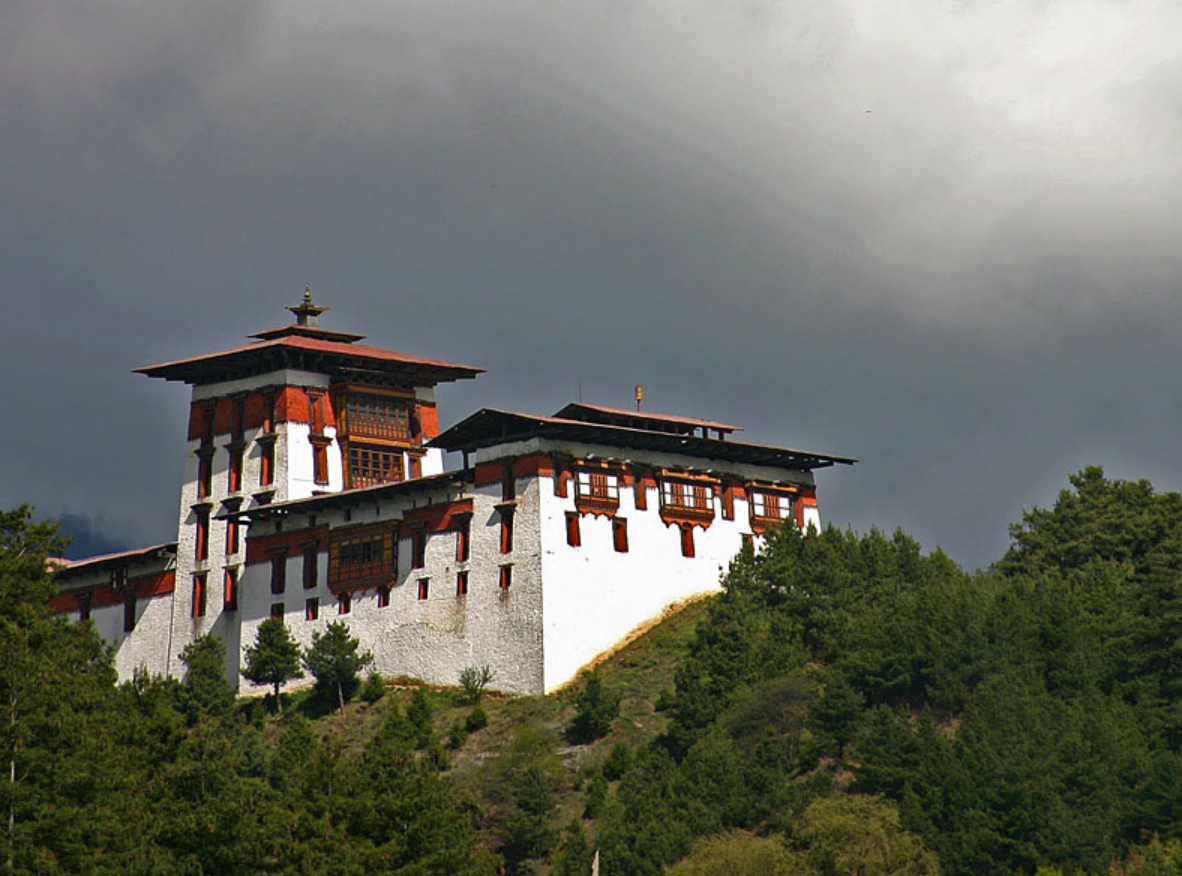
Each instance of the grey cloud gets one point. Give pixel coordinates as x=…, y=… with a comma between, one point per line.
x=934, y=236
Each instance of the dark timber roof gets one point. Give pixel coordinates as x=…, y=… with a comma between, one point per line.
x=110, y=561
x=646, y=420
x=347, y=498
x=490, y=427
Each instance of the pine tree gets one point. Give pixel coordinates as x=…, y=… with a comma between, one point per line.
x=274, y=657
x=335, y=661
x=205, y=690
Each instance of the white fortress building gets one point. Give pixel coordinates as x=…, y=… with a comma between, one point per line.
x=315, y=490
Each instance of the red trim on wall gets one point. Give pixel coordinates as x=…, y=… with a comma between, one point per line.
x=256, y=410
x=261, y=548
x=428, y=420
x=291, y=405
x=146, y=586
x=533, y=465
x=437, y=518
x=488, y=473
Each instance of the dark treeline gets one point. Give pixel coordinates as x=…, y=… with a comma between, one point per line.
x=849, y=696
x=848, y=705
x=161, y=777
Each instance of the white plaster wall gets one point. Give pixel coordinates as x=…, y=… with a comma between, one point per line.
x=811, y=517
x=432, y=462
x=595, y=596
x=282, y=377
x=431, y=639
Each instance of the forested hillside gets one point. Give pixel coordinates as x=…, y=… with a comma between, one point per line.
x=847, y=705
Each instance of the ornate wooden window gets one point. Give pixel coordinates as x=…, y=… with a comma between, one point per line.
x=685, y=500
x=374, y=465
x=597, y=492
x=360, y=555
x=377, y=416
x=771, y=508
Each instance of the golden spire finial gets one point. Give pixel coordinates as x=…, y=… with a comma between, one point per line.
x=306, y=312
x=639, y=395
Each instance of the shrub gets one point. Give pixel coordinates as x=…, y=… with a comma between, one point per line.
x=476, y=720
x=596, y=710
x=596, y=797
x=373, y=689
x=617, y=762
x=474, y=679
x=456, y=736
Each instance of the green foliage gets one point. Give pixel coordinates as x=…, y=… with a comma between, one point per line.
x=739, y=853
x=476, y=720
x=574, y=857
x=857, y=834
x=456, y=736
x=474, y=680
x=418, y=713
x=530, y=773
x=334, y=660
x=596, y=797
x=274, y=658
x=373, y=689
x=617, y=762
x=596, y=708
x=205, y=691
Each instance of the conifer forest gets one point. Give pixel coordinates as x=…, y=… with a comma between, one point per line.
x=849, y=704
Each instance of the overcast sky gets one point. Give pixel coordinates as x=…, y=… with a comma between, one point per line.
x=941, y=237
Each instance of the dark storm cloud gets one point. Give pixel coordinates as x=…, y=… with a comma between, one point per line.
x=935, y=236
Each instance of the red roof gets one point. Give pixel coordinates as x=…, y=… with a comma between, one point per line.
x=64, y=563
x=249, y=358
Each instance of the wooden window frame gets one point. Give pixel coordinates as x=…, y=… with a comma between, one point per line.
x=129, y=601
x=344, y=603
x=687, y=541
x=505, y=577
x=418, y=548
x=201, y=545
x=278, y=610
x=230, y=589
x=462, y=582
x=424, y=589
x=312, y=608
x=197, y=609
x=383, y=597
x=506, y=530
x=620, y=535
x=311, y=568
x=574, y=537
x=278, y=574
x=463, y=528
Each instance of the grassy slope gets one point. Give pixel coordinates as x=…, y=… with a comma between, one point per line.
x=637, y=673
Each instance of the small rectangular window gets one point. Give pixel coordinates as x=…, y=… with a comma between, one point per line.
x=232, y=530
x=267, y=463
x=462, y=583
x=278, y=574
x=344, y=603
x=320, y=463
x=463, y=531
x=508, y=484
x=311, y=609
x=277, y=610
x=728, y=503
x=573, y=536
x=230, y=590
x=687, y=541
x=84, y=607
x=129, y=611
x=310, y=570
x=506, y=577
x=424, y=587
x=748, y=541
x=418, y=549
x=199, y=595
x=204, y=472
x=234, y=473
x=383, y=597
x=506, y=530
x=620, y=534
x=202, y=546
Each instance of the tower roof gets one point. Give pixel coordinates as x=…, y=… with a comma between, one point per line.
x=304, y=345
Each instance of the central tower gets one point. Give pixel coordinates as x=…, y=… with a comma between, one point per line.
x=300, y=411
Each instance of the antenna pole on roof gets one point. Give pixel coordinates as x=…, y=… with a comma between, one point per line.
x=639, y=396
